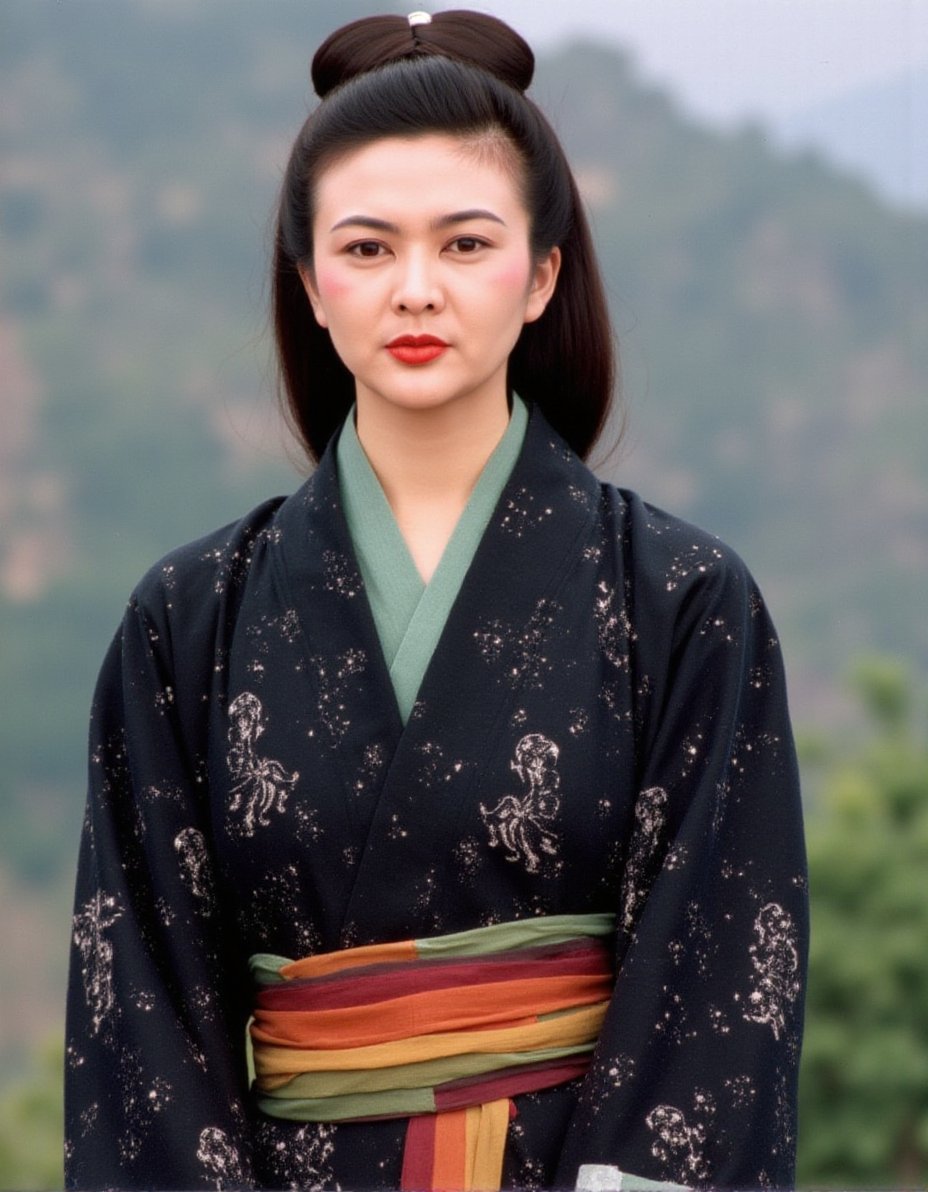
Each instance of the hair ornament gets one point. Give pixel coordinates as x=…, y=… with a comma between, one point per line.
x=419, y=18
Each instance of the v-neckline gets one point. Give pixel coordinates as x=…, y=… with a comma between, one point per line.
x=410, y=613
x=491, y=647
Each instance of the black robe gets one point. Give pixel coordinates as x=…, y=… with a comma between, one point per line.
x=602, y=727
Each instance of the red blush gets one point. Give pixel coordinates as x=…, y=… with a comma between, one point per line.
x=513, y=277
x=331, y=283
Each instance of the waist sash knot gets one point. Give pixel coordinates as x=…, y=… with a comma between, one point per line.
x=444, y=1031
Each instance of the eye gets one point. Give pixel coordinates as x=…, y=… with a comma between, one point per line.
x=467, y=245
x=368, y=249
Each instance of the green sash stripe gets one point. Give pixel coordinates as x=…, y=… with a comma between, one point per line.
x=425, y=1074
x=408, y=1089
x=478, y=941
x=395, y=1103
x=521, y=933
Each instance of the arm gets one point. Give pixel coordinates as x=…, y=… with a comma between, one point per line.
x=694, y=1078
x=155, y=1067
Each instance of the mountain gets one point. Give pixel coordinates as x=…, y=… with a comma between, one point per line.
x=879, y=131
x=773, y=320
x=770, y=309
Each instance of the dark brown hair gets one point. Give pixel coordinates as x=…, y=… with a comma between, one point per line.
x=463, y=74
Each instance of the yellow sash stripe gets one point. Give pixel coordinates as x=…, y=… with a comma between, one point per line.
x=561, y=1030
x=485, y=1154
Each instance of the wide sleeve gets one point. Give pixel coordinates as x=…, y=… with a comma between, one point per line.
x=694, y=1077
x=155, y=1075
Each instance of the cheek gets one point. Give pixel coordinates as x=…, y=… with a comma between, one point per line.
x=332, y=285
x=511, y=278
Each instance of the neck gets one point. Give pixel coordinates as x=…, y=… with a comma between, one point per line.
x=430, y=456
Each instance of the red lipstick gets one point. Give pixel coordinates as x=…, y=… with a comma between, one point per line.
x=416, y=349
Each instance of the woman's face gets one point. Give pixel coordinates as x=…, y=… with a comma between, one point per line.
x=425, y=237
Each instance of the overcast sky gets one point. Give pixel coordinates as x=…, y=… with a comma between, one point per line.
x=732, y=58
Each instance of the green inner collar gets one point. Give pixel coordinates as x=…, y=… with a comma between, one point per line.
x=408, y=613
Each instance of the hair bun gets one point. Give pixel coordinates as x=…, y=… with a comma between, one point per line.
x=471, y=37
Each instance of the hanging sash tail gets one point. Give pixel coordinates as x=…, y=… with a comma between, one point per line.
x=444, y=1031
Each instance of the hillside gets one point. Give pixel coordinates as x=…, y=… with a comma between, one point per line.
x=880, y=129
x=771, y=313
x=774, y=320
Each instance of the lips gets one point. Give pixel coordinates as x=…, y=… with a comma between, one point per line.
x=416, y=349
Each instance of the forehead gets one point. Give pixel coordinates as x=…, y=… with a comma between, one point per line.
x=426, y=173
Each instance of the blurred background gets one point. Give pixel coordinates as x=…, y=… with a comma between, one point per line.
x=757, y=176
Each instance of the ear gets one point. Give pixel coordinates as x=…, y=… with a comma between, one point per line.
x=305, y=271
x=544, y=280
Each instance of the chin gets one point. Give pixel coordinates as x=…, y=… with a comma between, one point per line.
x=424, y=397
x=425, y=394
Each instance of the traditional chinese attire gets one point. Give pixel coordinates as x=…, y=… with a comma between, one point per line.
x=298, y=747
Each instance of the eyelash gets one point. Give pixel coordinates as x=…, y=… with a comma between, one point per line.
x=354, y=249
x=475, y=240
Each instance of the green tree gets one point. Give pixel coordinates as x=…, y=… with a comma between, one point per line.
x=31, y=1126
x=864, y=1084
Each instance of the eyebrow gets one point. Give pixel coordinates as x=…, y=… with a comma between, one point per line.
x=443, y=221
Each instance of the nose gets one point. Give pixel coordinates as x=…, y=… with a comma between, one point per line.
x=417, y=287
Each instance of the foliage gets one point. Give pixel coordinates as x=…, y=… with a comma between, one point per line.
x=864, y=1084
x=775, y=350
x=773, y=304
x=30, y=1126
x=864, y=1087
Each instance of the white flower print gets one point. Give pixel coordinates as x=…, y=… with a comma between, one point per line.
x=96, y=950
x=678, y=1146
x=650, y=816
x=220, y=1157
x=523, y=826
x=775, y=958
x=195, y=867
x=261, y=784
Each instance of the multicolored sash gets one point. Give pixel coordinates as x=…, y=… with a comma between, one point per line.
x=443, y=1031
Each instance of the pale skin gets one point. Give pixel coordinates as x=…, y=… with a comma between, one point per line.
x=426, y=236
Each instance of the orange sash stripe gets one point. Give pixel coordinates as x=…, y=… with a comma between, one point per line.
x=327, y=963
x=468, y=1008
x=565, y=1030
x=420, y=1028
x=449, y=1170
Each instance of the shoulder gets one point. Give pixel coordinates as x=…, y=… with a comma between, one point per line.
x=192, y=581
x=670, y=571
x=674, y=572
x=682, y=549
x=699, y=628
x=651, y=549
x=666, y=548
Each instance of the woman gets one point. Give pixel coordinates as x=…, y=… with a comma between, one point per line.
x=468, y=776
